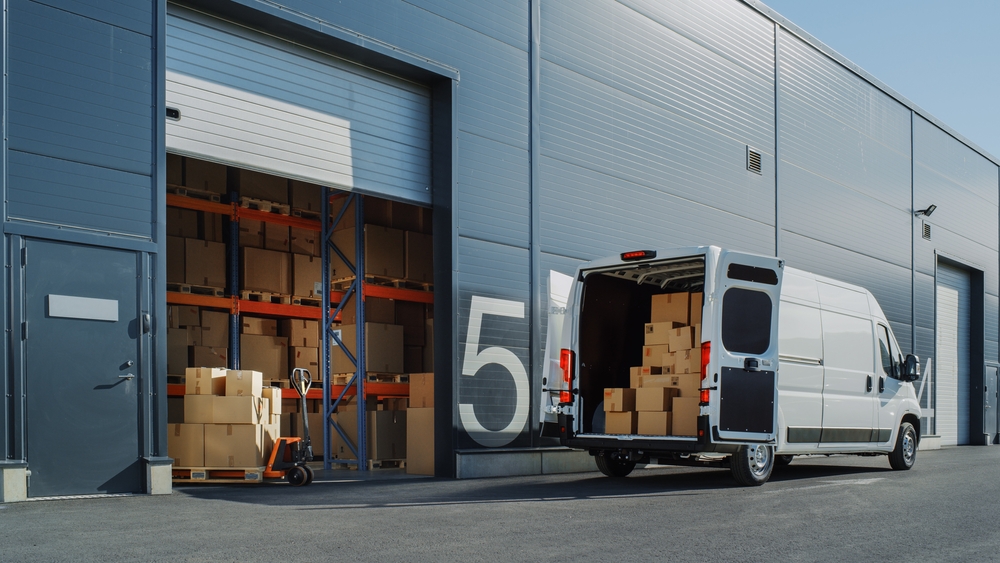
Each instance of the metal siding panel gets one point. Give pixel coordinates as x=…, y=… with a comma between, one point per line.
x=840, y=127
x=924, y=300
x=57, y=191
x=79, y=89
x=818, y=208
x=497, y=271
x=992, y=328
x=645, y=52
x=503, y=21
x=587, y=214
x=925, y=389
x=134, y=15
x=587, y=124
x=493, y=195
x=261, y=103
x=941, y=152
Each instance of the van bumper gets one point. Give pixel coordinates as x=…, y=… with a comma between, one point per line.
x=652, y=447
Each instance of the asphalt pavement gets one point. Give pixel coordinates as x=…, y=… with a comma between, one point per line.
x=816, y=509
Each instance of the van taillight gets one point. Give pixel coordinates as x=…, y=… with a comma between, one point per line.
x=638, y=255
x=703, y=399
x=706, y=355
x=566, y=363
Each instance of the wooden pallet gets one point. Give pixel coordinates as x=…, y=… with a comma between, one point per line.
x=282, y=383
x=265, y=206
x=196, y=289
x=399, y=283
x=195, y=193
x=218, y=474
x=265, y=297
x=386, y=464
x=307, y=301
x=342, y=284
x=306, y=214
x=175, y=379
x=371, y=377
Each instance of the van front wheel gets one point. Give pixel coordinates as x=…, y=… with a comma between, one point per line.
x=905, y=453
x=752, y=465
x=613, y=466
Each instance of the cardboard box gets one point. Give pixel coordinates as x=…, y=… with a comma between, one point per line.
x=251, y=233
x=260, y=326
x=413, y=358
x=387, y=434
x=653, y=355
x=205, y=381
x=175, y=260
x=695, y=308
x=347, y=220
x=300, y=332
x=619, y=399
x=265, y=187
x=175, y=410
x=285, y=423
x=204, y=263
x=406, y=216
x=266, y=270
x=378, y=211
x=202, y=175
x=186, y=444
x=669, y=363
x=419, y=257
x=429, y=347
x=303, y=241
x=377, y=310
x=685, y=419
x=189, y=315
x=687, y=383
x=215, y=329
x=654, y=423
x=344, y=241
x=420, y=441
x=198, y=409
x=303, y=357
x=266, y=354
x=636, y=372
x=658, y=334
x=175, y=169
x=305, y=196
x=211, y=227
x=276, y=237
x=384, y=253
x=687, y=361
x=274, y=400
x=173, y=316
x=240, y=410
x=234, y=445
x=182, y=222
x=244, y=383
x=208, y=357
x=621, y=422
x=670, y=307
x=421, y=390
x=412, y=317
x=383, y=348
x=307, y=276
x=682, y=339
x=177, y=350
x=193, y=335
x=654, y=399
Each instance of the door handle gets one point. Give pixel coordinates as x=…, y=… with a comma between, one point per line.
x=869, y=384
x=129, y=376
x=881, y=384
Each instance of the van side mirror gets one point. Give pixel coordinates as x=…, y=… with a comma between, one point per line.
x=911, y=368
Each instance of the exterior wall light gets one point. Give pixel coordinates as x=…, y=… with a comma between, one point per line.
x=925, y=212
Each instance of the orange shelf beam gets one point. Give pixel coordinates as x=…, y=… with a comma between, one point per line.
x=371, y=389
x=174, y=200
x=414, y=295
x=268, y=217
x=280, y=310
x=177, y=298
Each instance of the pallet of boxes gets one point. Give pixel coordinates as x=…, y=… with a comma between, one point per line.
x=230, y=425
x=663, y=396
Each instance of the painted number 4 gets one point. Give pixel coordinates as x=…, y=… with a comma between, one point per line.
x=475, y=359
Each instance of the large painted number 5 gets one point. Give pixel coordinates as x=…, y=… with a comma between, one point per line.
x=475, y=360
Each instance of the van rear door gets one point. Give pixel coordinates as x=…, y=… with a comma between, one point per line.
x=744, y=357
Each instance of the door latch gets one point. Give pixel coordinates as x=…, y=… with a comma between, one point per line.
x=869, y=386
x=128, y=376
x=751, y=364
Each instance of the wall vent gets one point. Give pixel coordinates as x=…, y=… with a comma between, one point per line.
x=753, y=160
x=925, y=230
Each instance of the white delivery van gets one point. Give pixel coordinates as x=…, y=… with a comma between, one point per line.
x=705, y=356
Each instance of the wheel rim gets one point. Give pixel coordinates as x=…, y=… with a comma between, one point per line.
x=908, y=446
x=760, y=458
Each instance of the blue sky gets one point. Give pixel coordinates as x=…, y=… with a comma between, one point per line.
x=942, y=56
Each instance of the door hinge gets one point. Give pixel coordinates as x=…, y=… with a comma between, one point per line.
x=24, y=330
x=24, y=256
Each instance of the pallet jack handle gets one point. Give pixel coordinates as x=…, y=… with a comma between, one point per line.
x=301, y=380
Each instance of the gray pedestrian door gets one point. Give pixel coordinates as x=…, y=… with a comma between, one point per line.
x=81, y=344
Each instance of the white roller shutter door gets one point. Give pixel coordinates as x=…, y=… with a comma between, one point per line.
x=952, y=357
x=254, y=101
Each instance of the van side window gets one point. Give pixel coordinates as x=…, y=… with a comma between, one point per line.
x=746, y=321
x=888, y=365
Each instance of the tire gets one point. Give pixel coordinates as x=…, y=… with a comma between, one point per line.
x=904, y=455
x=310, y=474
x=752, y=465
x=612, y=466
x=783, y=460
x=297, y=476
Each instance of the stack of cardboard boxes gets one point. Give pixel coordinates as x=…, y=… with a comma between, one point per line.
x=398, y=337
x=196, y=252
x=196, y=337
x=420, y=425
x=663, y=396
x=230, y=420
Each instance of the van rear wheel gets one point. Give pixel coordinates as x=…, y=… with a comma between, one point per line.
x=752, y=465
x=612, y=465
x=904, y=454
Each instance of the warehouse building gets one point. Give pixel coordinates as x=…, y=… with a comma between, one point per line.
x=522, y=138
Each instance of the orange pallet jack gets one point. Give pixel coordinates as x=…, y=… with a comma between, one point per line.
x=290, y=454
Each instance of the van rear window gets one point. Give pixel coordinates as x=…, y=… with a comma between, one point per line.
x=746, y=321
x=753, y=274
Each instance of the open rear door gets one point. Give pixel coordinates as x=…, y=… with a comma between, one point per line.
x=745, y=358
x=560, y=286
